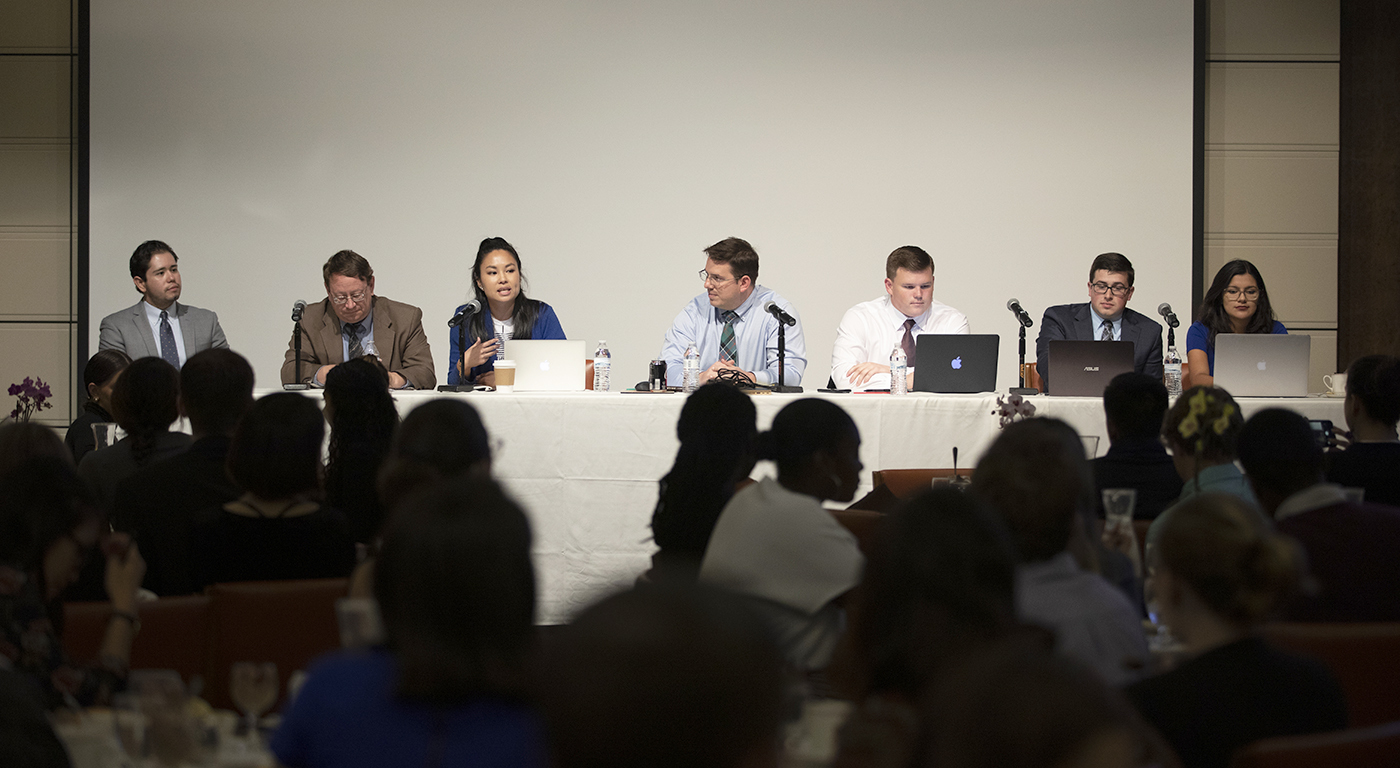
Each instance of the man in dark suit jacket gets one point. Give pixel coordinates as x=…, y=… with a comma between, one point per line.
x=157, y=503
x=1105, y=317
x=350, y=319
x=1133, y=408
x=160, y=326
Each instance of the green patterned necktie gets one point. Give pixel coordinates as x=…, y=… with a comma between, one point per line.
x=727, y=346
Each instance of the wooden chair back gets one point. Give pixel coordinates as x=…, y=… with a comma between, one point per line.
x=173, y=631
x=1374, y=747
x=1363, y=657
x=862, y=523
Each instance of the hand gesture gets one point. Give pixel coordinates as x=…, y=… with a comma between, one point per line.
x=125, y=570
x=477, y=354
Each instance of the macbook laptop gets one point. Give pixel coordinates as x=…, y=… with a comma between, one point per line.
x=956, y=362
x=1262, y=364
x=1084, y=368
x=547, y=366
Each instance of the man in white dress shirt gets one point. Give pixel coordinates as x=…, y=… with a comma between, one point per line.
x=872, y=329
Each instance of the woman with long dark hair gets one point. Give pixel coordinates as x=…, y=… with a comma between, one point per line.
x=99, y=377
x=145, y=402
x=1237, y=302
x=498, y=280
x=363, y=418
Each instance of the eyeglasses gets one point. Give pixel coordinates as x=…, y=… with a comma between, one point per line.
x=1250, y=294
x=1117, y=289
x=357, y=297
x=706, y=277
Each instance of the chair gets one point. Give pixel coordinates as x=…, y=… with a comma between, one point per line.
x=172, y=633
x=1374, y=747
x=1363, y=657
x=862, y=523
x=905, y=483
x=285, y=622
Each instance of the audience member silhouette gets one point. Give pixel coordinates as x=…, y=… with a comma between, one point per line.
x=1134, y=406
x=157, y=503
x=1351, y=548
x=670, y=674
x=456, y=590
x=362, y=418
x=99, y=377
x=775, y=544
x=277, y=529
x=1372, y=409
x=1200, y=430
x=1035, y=476
x=21, y=441
x=717, y=431
x=1219, y=572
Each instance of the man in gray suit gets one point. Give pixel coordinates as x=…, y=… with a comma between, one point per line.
x=160, y=326
x=1105, y=317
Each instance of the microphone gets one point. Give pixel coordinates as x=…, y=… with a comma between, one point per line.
x=297, y=309
x=773, y=309
x=1021, y=317
x=471, y=308
x=1165, y=310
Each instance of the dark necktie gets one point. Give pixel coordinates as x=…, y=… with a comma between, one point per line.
x=1107, y=332
x=908, y=342
x=356, y=350
x=729, y=349
x=168, y=351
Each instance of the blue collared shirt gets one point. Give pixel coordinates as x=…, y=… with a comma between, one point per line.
x=153, y=317
x=1099, y=322
x=755, y=338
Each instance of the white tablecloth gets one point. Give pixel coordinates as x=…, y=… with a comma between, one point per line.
x=585, y=465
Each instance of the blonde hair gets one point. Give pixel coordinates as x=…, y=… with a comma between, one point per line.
x=1222, y=547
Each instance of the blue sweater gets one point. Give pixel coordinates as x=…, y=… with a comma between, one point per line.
x=546, y=327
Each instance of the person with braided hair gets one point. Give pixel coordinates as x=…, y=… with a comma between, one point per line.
x=1200, y=432
x=1220, y=571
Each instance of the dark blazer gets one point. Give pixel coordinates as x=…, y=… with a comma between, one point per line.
x=1351, y=551
x=1073, y=322
x=130, y=331
x=1141, y=464
x=398, y=334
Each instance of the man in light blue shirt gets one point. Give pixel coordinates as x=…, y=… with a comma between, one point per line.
x=729, y=325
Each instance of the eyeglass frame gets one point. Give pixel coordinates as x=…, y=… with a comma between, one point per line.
x=1239, y=293
x=341, y=300
x=1117, y=289
x=707, y=277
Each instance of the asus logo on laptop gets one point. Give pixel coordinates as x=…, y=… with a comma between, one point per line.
x=1091, y=368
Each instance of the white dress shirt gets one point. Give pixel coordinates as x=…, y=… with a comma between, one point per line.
x=153, y=317
x=871, y=330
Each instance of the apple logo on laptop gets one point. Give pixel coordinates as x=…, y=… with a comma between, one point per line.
x=957, y=363
x=544, y=365
x=1262, y=365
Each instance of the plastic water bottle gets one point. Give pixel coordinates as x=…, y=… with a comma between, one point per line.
x=1171, y=372
x=899, y=370
x=690, y=379
x=500, y=345
x=602, y=367
x=368, y=347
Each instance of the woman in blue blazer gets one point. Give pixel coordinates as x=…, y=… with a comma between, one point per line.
x=497, y=278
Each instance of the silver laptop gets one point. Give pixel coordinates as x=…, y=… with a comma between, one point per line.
x=547, y=366
x=1262, y=364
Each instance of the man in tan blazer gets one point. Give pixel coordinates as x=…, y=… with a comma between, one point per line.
x=351, y=321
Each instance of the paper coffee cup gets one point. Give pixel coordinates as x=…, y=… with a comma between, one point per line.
x=505, y=375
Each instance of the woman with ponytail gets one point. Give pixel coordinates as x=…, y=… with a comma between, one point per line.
x=1220, y=571
x=775, y=543
x=498, y=281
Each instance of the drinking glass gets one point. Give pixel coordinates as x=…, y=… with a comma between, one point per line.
x=131, y=726
x=254, y=688
x=1091, y=446
x=1161, y=642
x=1118, y=506
x=105, y=433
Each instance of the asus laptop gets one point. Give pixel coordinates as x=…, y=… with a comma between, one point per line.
x=1084, y=368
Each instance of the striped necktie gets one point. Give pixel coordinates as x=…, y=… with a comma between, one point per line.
x=729, y=349
x=356, y=349
x=168, y=351
x=1107, y=334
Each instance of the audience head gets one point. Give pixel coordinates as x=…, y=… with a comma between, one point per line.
x=276, y=449
x=349, y=283
x=939, y=582
x=48, y=523
x=456, y=590
x=672, y=675
x=216, y=389
x=1134, y=405
x=1036, y=478
x=1373, y=391
x=1280, y=454
x=1217, y=553
x=358, y=404
x=439, y=439
x=1018, y=705
x=100, y=375
x=732, y=269
x=1201, y=429
x=145, y=402
x=21, y=441
x=817, y=449
x=1237, y=294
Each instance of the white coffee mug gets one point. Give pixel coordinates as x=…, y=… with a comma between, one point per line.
x=1336, y=384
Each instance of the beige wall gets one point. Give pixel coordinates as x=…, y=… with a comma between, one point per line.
x=38, y=314
x=1271, y=157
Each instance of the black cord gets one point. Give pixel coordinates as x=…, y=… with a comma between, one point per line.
x=736, y=377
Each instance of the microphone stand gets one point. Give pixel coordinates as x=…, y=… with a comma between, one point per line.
x=297, y=383
x=461, y=321
x=782, y=354
x=1023, y=390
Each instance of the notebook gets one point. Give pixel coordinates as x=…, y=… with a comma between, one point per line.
x=1262, y=364
x=1084, y=368
x=956, y=362
x=547, y=366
